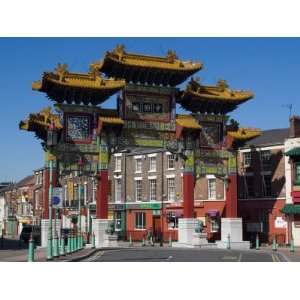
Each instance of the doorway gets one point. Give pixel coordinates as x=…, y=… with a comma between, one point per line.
x=156, y=228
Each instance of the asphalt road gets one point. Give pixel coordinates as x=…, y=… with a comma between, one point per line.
x=183, y=255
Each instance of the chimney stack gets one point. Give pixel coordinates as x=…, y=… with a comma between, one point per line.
x=295, y=126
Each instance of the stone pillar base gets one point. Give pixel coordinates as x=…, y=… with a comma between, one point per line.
x=44, y=231
x=234, y=228
x=199, y=239
x=186, y=229
x=111, y=241
x=99, y=228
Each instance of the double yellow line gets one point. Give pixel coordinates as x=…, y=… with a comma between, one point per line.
x=275, y=258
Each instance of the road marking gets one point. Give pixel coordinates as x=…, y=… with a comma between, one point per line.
x=240, y=257
x=169, y=258
x=94, y=257
x=275, y=258
x=230, y=257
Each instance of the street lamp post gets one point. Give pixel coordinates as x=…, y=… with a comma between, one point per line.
x=86, y=212
x=162, y=201
x=79, y=238
x=49, y=245
x=51, y=142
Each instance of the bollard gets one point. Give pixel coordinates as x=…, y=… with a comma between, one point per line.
x=69, y=245
x=57, y=244
x=74, y=242
x=228, y=242
x=55, y=254
x=49, y=248
x=143, y=242
x=257, y=242
x=31, y=250
x=62, y=246
x=170, y=240
x=93, y=241
x=292, y=247
x=130, y=241
x=80, y=241
x=274, y=244
x=151, y=241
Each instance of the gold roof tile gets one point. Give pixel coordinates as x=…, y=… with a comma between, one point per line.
x=245, y=133
x=170, y=61
x=187, y=121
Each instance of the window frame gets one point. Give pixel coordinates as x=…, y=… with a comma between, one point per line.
x=247, y=158
x=140, y=190
x=136, y=165
x=140, y=216
x=151, y=159
x=210, y=196
x=151, y=181
x=171, y=187
x=169, y=156
x=266, y=157
x=269, y=188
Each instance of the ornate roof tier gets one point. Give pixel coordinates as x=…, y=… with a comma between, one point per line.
x=146, y=69
x=89, y=88
x=40, y=122
x=186, y=123
x=109, y=118
x=244, y=134
x=212, y=99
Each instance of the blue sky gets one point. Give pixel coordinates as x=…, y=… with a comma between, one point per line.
x=267, y=66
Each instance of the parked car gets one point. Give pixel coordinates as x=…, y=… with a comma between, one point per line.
x=26, y=232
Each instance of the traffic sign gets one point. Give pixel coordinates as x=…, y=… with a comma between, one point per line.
x=57, y=197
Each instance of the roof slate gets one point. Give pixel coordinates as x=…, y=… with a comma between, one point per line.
x=270, y=137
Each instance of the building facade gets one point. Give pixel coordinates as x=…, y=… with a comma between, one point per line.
x=292, y=174
x=152, y=180
x=262, y=186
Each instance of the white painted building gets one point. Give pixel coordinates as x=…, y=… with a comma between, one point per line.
x=290, y=144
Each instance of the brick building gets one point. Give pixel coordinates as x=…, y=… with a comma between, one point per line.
x=152, y=181
x=261, y=186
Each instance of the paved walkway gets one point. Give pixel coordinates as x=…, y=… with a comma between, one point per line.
x=40, y=255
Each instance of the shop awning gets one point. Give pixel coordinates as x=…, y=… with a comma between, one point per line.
x=212, y=212
x=291, y=209
x=293, y=152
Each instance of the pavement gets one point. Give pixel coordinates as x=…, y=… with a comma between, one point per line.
x=12, y=250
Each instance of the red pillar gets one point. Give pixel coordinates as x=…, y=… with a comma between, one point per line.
x=231, y=197
x=188, y=195
x=46, y=182
x=102, y=196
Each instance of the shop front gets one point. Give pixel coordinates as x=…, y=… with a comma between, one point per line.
x=143, y=219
